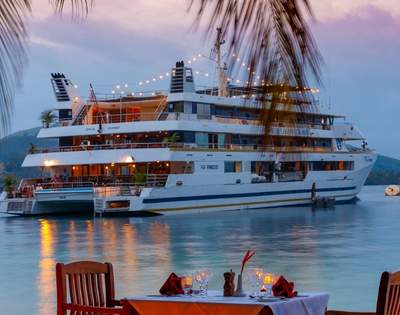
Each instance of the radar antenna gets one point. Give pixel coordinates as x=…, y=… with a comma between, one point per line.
x=222, y=90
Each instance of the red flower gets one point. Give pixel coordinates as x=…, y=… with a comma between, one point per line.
x=246, y=258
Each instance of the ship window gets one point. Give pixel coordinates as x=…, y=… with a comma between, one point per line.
x=124, y=170
x=262, y=168
x=178, y=107
x=118, y=204
x=203, y=111
x=331, y=166
x=194, y=108
x=201, y=139
x=189, y=137
x=181, y=167
x=233, y=166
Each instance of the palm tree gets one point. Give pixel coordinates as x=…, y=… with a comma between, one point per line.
x=47, y=117
x=13, y=57
x=9, y=183
x=32, y=148
x=275, y=43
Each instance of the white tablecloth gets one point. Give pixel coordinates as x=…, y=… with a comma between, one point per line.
x=305, y=304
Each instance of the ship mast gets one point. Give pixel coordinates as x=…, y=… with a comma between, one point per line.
x=222, y=91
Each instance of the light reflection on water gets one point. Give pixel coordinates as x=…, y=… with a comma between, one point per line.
x=340, y=251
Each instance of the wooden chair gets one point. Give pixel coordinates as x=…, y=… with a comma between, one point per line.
x=388, y=302
x=90, y=289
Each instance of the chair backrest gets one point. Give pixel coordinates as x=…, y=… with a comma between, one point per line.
x=389, y=294
x=84, y=283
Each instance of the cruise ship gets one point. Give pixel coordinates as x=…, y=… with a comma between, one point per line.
x=189, y=150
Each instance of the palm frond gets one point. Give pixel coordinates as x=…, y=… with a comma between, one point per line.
x=273, y=39
x=13, y=57
x=80, y=8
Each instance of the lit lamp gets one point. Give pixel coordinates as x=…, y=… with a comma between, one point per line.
x=268, y=281
x=129, y=159
x=48, y=163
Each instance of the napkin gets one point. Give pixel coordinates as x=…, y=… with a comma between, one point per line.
x=172, y=286
x=282, y=287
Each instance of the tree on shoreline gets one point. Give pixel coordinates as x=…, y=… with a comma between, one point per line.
x=47, y=117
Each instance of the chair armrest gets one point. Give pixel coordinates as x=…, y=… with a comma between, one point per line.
x=348, y=313
x=116, y=302
x=96, y=310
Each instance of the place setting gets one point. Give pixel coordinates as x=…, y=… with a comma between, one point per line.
x=252, y=291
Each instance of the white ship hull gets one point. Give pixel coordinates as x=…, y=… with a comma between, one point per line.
x=201, y=195
x=342, y=186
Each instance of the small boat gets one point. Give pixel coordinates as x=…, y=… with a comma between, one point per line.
x=392, y=190
x=323, y=202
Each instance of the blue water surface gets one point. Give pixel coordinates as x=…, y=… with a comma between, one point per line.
x=341, y=251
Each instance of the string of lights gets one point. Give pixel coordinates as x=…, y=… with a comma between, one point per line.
x=123, y=88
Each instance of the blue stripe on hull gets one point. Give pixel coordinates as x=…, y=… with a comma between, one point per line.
x=244, y=195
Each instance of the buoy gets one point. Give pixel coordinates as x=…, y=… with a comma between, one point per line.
x=392, y=190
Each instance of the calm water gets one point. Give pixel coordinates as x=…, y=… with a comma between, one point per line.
x=340, y=251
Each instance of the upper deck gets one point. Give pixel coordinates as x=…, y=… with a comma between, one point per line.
x=235, y=105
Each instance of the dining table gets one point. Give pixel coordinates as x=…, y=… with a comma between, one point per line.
x=215, y=303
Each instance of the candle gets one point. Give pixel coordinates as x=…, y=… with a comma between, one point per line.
x=268, y=279
x=187, y=283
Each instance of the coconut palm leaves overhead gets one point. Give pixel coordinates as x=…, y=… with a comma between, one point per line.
x=13, y=57
x=273, y=40
x=79, y=7
x=271, y=36
x=12, y=54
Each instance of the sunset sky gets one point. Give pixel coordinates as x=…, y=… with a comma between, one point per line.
x=127, y=41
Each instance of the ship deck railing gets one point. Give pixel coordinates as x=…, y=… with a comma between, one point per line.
x=143, y=180
x=292, y=176
x=177, y=146
x=133, y=117
x=62, y=185
x=132, y=188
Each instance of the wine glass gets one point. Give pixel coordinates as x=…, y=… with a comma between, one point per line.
x=256, y=278
x=268, y=281
x=187, y=283
x=202, y=277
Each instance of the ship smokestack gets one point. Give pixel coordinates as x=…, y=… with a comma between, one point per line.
x=182, y=79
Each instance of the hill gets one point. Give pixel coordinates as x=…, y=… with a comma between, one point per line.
x=13, y=149
x=386, y=171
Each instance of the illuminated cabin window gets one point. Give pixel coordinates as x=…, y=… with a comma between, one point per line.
x=181, y=167
x=118, y=204
x=233, y=166
x=331, y=166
